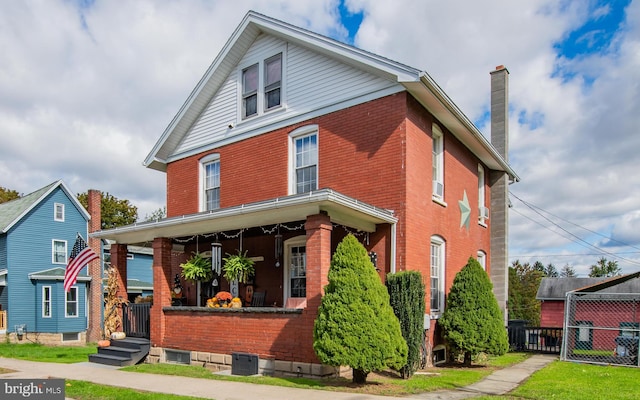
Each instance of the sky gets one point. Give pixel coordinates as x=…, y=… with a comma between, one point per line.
x=87, y=88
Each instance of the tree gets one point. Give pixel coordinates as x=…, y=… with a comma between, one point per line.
x=550, y=271
x=8, y=195
x=568, y=272
x=160, y=213
x=356, y=325
x=605, y=268
x=472, y=321
x=524, y=281
x=406, y=292
x=115, y=212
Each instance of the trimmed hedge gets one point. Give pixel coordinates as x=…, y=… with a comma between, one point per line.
x=407, y=293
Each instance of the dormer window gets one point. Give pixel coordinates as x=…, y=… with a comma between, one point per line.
x=262, y=86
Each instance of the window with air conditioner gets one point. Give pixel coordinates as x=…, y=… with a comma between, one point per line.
x=483, y=211
x=437, y=163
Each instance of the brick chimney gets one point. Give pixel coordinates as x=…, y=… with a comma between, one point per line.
x=499, y=181
x=94, y=330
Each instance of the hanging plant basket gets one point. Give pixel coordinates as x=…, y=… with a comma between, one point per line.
x=238, y=267
x=197, y=268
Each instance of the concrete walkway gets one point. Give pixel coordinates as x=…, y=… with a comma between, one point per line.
x=499, y=382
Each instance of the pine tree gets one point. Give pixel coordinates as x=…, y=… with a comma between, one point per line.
x=356, y=325
x=472, y=321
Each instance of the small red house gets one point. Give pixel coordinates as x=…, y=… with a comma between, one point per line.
x=290, y=141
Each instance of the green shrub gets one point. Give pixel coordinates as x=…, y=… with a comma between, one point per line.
x=406, y=292
x=356, y=325
x=472, y=321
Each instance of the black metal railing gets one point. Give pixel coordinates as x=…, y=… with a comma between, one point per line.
x=136, y=321
x=535, y=339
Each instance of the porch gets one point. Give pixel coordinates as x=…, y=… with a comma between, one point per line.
x=290, y=240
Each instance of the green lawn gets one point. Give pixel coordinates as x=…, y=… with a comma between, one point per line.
x=39, y=352
x=573, y=381
x=81, y=390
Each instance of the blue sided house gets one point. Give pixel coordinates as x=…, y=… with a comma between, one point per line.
x=37, y=233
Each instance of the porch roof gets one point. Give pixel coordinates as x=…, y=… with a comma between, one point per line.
x=55, y=274
x=341, y=209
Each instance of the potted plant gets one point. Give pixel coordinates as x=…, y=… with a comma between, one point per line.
x=197, y=268
x=238, y=267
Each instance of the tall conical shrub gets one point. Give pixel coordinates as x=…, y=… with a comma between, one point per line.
x=406, y=292
x=356, y=325
x=472, y=321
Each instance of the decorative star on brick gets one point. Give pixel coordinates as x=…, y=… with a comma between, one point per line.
x=465, y=211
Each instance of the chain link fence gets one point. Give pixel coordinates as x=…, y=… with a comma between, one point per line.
x=602, y=328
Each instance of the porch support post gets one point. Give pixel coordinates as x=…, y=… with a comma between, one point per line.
x=318, y=249
x=119, y=262
x=161, y=287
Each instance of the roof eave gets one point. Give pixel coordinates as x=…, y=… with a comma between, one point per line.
x=341, y=209
x=435, y=100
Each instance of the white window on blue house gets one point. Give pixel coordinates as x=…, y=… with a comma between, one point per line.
x=58, y=212
x=59, y=251
x=46, y=302
x=437, y=276
x=71, y=302
x=210, y=182
x=303, y=164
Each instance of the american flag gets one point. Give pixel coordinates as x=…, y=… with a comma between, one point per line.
x=81, y=255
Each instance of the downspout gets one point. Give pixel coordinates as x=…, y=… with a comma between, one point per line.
x=393, y=247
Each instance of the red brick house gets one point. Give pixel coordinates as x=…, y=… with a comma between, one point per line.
x=290, y=141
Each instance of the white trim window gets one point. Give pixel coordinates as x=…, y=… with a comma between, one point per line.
x=438, y=162
x=210, y=182
x=482, y=259
x=261, y=86
x=437, y=264
x=59, y=251
x=58, y=212
x=295, y=272
x=303, y=160
x=46, y=302
x=71, y=302
x=483, y=211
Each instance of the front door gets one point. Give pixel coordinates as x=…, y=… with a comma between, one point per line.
x=295, y=276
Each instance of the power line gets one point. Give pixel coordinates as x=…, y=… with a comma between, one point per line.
x=577, y=240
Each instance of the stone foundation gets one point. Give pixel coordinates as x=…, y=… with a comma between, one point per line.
x=47, y=339
x=266, y=366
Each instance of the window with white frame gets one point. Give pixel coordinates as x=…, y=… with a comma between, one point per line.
x=438, y=162
x=262, y=86
x=295, y=271
x=482, y=259
x=304, y=160
x=58, y=212
x=437, y=275
x=483, y=211
x=46, y=302
x=59, y=251
x=71, y=302
x=210, y=182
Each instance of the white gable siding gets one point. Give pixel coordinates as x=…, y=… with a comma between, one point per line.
x=312, y=82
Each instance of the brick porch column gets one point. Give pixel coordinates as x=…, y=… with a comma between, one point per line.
x=161, y=287
x=119, y=261
x=318, y=247
x=94, y=328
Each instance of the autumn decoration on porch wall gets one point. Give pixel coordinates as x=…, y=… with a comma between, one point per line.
x=112, y=317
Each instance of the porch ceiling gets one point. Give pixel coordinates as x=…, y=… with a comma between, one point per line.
x=341, y=209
